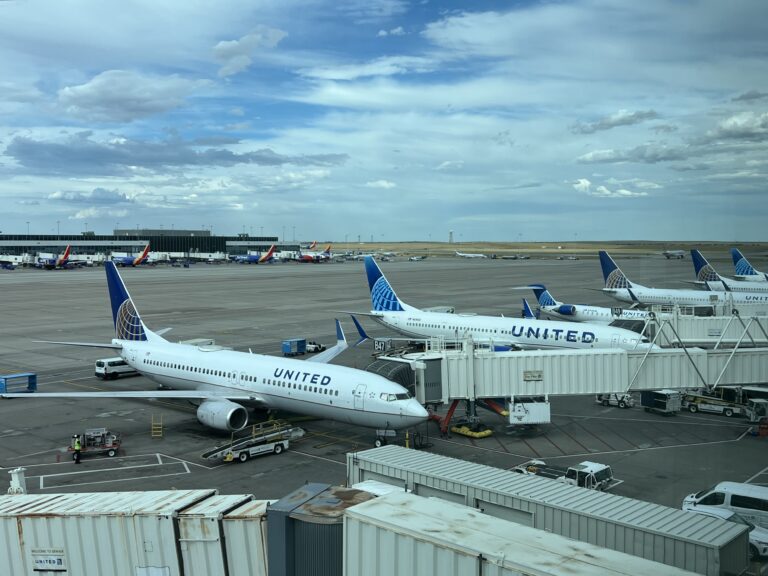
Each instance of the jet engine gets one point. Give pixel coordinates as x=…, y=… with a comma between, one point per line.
x=566, y=309
x=222, y=415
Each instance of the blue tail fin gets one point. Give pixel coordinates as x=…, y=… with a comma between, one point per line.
x=383, y=298
x=543, y=295
x=704, y=271
x=742, y=265
x=128, y=324
x=612, y=274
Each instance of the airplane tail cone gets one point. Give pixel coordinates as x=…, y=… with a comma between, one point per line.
x=383, y=298
x=128, y=324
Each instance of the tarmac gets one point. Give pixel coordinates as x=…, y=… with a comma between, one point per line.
x=247, y=307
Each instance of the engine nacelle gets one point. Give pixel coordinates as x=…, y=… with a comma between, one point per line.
x=567, y=310
x=222, y=415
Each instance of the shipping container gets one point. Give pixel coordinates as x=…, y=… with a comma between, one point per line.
x=245, y=538
x=94, y=534
x=201, y=535
x=650, y=531
x=402, y=534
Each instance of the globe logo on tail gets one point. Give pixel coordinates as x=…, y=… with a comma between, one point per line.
x=707, y=274
x=616, y=279
x=383, y=298
x=743, y=268
x=128, y=324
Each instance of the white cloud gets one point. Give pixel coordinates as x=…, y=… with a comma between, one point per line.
x=582, y=185
x=585, y=186
x=236, y=55
x=386, y=184
x=620, y=118
x=399, y=31
x=451, y=165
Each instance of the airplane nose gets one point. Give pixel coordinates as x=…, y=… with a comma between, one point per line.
x=416, y=411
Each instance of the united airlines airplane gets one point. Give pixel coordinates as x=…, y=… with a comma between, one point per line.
x=619, y=287
x=711, y=280
x=502, y=333
x=556, y=310
x=469, y=255
x=744, y=270
x=223, y=380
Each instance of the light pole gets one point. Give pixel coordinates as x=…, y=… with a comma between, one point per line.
x=294, y=234
x=57, y=230
x=27, y=227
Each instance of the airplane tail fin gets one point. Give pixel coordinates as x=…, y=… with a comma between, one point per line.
x=612, y=274
x=268, y=256
x=327, y=249
x=383, y=298
x=313, y=245
x=742, y=265
x=704, y=270
x=543, y=295
x=143, y=256
x=128, y=324
x=64, y=257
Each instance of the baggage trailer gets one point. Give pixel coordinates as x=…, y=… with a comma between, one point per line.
x=700, y=402
x=665, y=402
x=96, y=441
x=265, y=438
x=294, y=347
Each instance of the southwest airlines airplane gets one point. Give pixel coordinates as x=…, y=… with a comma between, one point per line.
x=706, y=275
x=257, y=258
x=556, y=310
x=619, y=287
x=55, y=263
x=502, y=333
x=132, y=260
x=744, y=270
x=223, y=380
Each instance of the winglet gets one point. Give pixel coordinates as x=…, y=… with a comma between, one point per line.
x=339, y=332
x=333, y=351
x=527, y=312
x=363, y=335
x=704, y=270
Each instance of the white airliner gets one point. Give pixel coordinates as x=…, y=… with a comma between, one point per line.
x=678, y=254
x=744, y=270
x=466, y=255
x=711, y=280
x=222, y=380
x=619, y=287
x=556, y=310
x=500, y=332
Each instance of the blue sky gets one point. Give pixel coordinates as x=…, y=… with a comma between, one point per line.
x=385, y=119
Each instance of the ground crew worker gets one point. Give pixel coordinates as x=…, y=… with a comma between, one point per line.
x=77, y=449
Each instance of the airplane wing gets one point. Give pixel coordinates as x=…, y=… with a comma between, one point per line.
x=158, y=394
x=86, y=344
x=331, y=353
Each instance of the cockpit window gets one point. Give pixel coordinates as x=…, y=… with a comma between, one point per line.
x=405, y=396
x=393, y=397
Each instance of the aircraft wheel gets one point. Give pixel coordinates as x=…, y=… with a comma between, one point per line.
x=243, y=456
x=278, y=448
x=729, y=412
x=693, y=408
x=380, y=441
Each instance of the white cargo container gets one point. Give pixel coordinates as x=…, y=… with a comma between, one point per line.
x=626, y=525
x=201, y=535
x=400, y=533
x=93, y=534
x=245, y=538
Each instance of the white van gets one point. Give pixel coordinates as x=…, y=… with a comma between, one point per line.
x=758, y=536
x=112, y=368
x=747, y=500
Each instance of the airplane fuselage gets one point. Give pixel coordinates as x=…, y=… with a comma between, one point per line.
x=321, y=390
x=671, y=297
x=512, y=332
x=595, y=314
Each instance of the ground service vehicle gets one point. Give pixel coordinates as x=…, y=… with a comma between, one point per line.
x=244, y=454
x=113, y=368
x=756, y=409
x=294, y=347
x=666, y=402
x=758, y=536
x=750, y=501
x=313, y=346
x=589, y=475
x=96, y=441
x=620, y=400
x=702, y=402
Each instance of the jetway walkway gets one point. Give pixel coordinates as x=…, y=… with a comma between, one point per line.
x=469, y=373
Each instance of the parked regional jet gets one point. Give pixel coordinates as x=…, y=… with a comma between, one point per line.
x=619, y=287
x=744, y=270
x=551, y=308
x=500, y=332
x=132, y=260
x=223, y=380
x=260, y=258
x=466, y=255
x=679, y=254
x=55, y=263
x=711, y=280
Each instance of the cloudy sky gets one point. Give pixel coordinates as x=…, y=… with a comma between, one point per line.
x=387, y=119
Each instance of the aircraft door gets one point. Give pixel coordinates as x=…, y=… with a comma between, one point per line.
x=359, y=395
